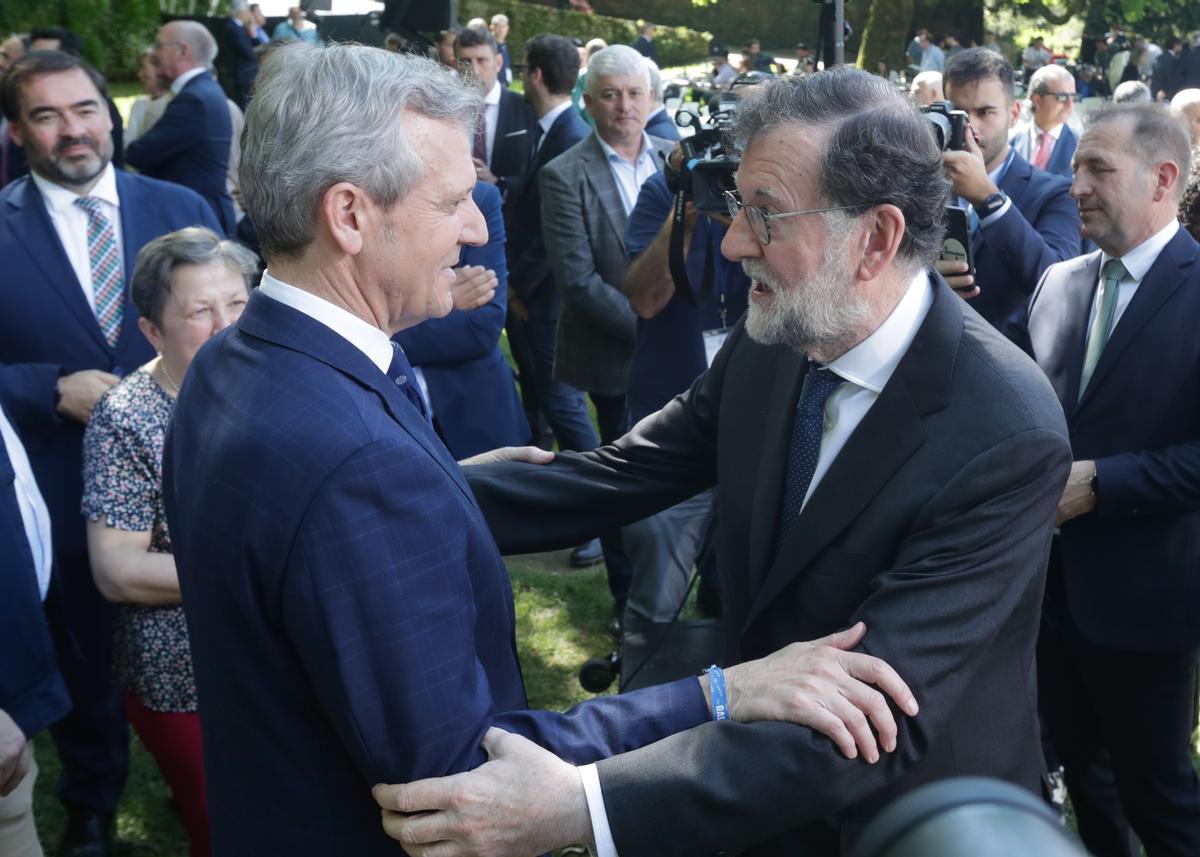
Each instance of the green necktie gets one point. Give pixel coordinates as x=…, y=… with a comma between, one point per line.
x=1102, y=324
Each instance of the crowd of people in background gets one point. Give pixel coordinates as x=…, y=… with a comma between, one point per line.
x=127, y=245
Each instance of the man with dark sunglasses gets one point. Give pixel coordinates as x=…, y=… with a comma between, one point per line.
x=1047, y=141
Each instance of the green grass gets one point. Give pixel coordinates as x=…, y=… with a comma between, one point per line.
x=561, y=622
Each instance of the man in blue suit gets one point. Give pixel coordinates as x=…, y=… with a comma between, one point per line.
x=68, y=329
x=242, y=36
x=1047, y=141
x=659, y=122
x=351, y=620
x=32, y=693
x=1022, y=219
x=189, y=144
x=467, y=383
x=1115, y=331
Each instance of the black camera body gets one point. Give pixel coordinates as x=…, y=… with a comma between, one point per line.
x=708, y=169
x=949, y=125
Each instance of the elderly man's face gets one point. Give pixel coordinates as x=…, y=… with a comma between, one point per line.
x=204, y=300
x=1113, y=189
x=1048, y=111
x=500, y=31
x=413, y=254
x=619, y=104
x=483, y=63
x=11, y=50
x=805, y=293
x=1191, y=120
x=65, y=127
x=169, y=52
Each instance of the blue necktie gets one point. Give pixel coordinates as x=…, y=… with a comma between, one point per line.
x=401, y=373
x=805, y=444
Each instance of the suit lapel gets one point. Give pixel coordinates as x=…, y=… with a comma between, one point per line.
x=600, y=177
x=270, y=320
x=1068, y=330
x=138, y=228
x=886, y=438
x=31, y=223
x=1164, y=277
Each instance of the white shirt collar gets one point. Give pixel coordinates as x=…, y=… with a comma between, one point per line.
x=493, y=96
x=611, y=153
x=871, y=363
x=1139, y=260
x=367, y=338
x=550, y=118
x=180, y=82
x=1054, y=132
x=60, y=199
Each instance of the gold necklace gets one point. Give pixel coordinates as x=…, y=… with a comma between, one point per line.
x=162, y=364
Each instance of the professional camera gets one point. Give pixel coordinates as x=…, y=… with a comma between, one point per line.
x=708, y=170
x=949, y=125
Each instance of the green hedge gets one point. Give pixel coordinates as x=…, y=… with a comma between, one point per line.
x=676, y=45
x=113, y=31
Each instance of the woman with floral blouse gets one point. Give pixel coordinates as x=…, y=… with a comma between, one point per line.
x=187, y=286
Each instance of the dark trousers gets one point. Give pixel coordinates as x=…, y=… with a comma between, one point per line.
x=1120, y=723
x=93, y=739
x=520, y=344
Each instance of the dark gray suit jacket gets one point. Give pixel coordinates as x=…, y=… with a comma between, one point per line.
x=583, y=223
x=932, y=525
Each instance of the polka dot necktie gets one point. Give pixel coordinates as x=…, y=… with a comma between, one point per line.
x=104, y=259
x=805, y=444
x=401, y=373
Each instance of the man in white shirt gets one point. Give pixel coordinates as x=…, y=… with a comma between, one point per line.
x=1047, y=141
x=1115, y=332
x=503, y=144
x=933, y=58
x=877, y=449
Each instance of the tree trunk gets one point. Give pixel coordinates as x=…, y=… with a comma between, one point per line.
x=883, y=37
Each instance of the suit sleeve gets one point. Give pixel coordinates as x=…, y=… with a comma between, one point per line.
x=473, y=334
x=382, y=615
x=1026, y=249
x=1155, y=481
x=571, y=259
x=976, y=553
x=176, y=130
x=29, y=393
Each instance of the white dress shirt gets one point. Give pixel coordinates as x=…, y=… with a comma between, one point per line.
x=180, y=82
x=1035, y=138
x=367, y=338
x=630, y=175
x=866, y=368
x=34, y=514
x=491, y=118
x=1137, y=262
x=71, y=223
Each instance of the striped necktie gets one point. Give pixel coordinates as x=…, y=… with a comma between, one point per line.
x=104, y=258
x=1102, y=325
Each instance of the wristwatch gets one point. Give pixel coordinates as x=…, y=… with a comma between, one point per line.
x=992, y=204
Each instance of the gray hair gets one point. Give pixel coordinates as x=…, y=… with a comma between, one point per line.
x=656, y=81
x=1154, y=136
x=320, y=116
x=879, y=149
x=1184, y=99
x=199, y=40
x=1045, y=76
x=1132, y=92
x=615, y=61
x=238, y=5
x=499, y=18
x=151, y=283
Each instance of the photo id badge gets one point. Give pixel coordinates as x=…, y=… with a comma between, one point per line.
x=713, y=340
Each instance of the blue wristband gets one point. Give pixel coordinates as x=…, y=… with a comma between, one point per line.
x=716, y=686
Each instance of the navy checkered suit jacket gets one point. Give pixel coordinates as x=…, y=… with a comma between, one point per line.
x=350, y=617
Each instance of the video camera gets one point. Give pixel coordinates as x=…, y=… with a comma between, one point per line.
x=949, y=125
x=707, y=170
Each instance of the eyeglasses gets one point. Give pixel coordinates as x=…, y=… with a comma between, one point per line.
x=760, y=221
x=1061, y=97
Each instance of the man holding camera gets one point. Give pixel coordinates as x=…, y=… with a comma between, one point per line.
x=1022, y=219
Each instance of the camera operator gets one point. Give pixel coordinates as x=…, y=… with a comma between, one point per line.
x=678, y=332
x=1022, y=219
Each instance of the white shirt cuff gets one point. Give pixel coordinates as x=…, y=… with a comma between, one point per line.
x=996, y=215
x=605, y=847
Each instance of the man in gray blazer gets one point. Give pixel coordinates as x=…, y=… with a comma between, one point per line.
x=587, y=194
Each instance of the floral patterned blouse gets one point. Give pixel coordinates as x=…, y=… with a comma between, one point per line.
x=122, y=486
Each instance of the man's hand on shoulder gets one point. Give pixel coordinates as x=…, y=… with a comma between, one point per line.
x=826, y=686
x=522, y=802
x=15, y=754
x=79, y=392
x=474, y=286
x=526, y=454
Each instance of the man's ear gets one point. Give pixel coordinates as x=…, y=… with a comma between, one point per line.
x=884, y=230
x=345, y=212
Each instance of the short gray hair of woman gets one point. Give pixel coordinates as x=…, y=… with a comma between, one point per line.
x=615, y=61
x=324, y=115
x=151, y=283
